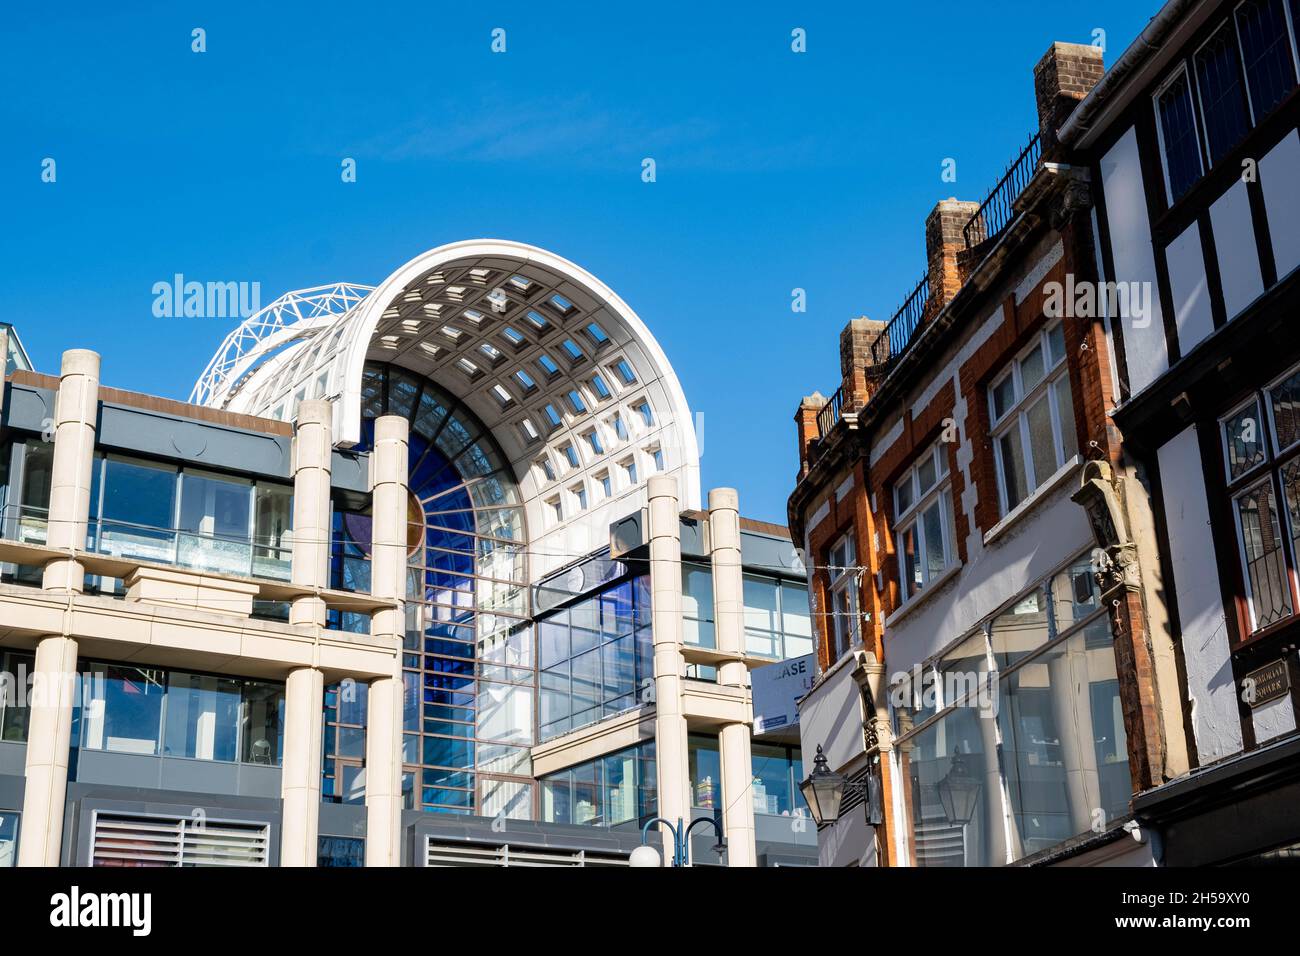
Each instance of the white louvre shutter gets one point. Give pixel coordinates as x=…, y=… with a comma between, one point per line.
x=225, y=844
x=137, y=840
x=505, y=854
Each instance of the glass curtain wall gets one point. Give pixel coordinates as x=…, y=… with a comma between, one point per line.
x=617, y=789
x=596, y=657
x=468, y=656
x=774, y=781
x=201, y=520
x=1036, y=683
x=777, y=621
x=123, y=708
x=15, y=675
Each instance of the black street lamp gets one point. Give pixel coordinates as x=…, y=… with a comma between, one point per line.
x=959, y=791
x=824, y=791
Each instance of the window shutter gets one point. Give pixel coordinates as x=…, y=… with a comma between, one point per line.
x=481, y=854
x=152, y=841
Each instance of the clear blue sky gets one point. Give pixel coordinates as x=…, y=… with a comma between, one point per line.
x=775, y=170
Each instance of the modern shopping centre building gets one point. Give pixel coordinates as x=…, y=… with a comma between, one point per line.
x=421, y=575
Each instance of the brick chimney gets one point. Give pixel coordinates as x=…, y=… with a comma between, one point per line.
x=1064, y=76
x=805, y=420
x=855, y=358
x=945, y=240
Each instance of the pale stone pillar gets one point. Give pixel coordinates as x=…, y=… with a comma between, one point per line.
x=49, y=737
x=300, y=770
x=76, y=411
x=313, y=447
x=388, y=471
x=729, y=617
x=671, y=759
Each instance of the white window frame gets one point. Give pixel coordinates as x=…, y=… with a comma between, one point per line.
x=845, y=630
x=1017, y=416
x=906, y=519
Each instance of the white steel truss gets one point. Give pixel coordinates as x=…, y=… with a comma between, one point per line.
x=291, y=318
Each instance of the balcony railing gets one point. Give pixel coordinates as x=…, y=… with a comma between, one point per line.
x=194, y=551
x=237, y=556
x=25, y=524
x=829, y=416
x=897, y=335
x=998, y=209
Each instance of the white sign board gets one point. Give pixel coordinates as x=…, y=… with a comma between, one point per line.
x=776, y=688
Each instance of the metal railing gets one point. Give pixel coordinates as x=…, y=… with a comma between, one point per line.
x=998, y=210
x=893, y=341
x=245, y=557
x=240, y=556
x=829, y=416
x=25, y=524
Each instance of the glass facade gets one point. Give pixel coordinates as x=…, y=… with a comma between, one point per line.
x=468, y=656
x=25, y=469
x=777, y=622
x=595, y=658
x=8, y=838
x=140, y=710
x=15, y=671
x=1042, y=743
x=190, y=518
x=616, y=789
x=774, y=786
x=341, y=852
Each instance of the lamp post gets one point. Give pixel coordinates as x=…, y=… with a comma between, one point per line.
x=824, y=791
x=646, y=855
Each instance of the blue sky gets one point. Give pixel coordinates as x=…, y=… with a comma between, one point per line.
x=775, y=170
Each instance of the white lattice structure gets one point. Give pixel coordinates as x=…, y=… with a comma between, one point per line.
x=573, y=386
x=286, y=321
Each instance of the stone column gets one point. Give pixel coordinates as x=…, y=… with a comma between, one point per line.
x=49, y=737
x=313, y=447
x=49, y=734
x=76, y=413
x=300, y=771
x=729, y=617
x=671, y=759
x=388, y=471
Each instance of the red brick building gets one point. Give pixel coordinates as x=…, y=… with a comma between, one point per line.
x=988, y=648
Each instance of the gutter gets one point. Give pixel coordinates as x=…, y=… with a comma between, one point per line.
x=1149, y=42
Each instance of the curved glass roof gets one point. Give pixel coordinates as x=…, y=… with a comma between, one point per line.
x=579, y=398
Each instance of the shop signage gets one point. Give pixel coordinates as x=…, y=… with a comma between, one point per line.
x=1267, y=684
